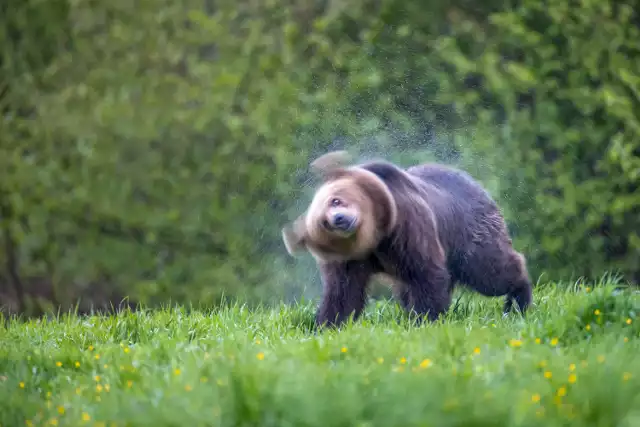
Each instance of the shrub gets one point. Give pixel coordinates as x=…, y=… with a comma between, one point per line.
x=556, y=85
x=179, y=136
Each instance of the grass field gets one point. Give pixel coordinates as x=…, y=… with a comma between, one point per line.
x=574, y=361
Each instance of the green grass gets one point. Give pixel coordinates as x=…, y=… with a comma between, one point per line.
x=574, y=361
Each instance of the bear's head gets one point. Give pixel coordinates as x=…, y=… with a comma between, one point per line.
x=350, y=213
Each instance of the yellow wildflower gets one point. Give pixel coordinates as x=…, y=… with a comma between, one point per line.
x=380, y=360
x=97, y=356
x=554, y=341
x=425, y=363
x=260, y=356
x=626, y=376
x=343, y=349
x=176, y=371
x=90, y=348
x=515, y=343
x=626, y=339
x=85, y=417
x=597, y=312
x=77, y=364
x=572, y=378
x=97, y=378
x=548, y=374
x=588, y=327
x=61, y=410
x=572, y=367
x=21, y=384
x=99, y=388
x=600, y=359
x=535, y=398
x=537, y=340
x=53, y=422
x=129, y=384
x=126, y=350
x=187, y=387
x=562, y=391
x=403, y=360
x=628, y=321
x=476, y=350
x=58, y=364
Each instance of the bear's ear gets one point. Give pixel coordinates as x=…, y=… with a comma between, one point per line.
x=293, y=236
x=328, y=164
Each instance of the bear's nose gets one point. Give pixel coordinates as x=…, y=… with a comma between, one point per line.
x=342, y=221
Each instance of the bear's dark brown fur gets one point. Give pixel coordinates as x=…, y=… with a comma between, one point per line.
x=425, y=228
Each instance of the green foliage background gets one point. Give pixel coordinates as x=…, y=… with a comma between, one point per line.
x=153, y=149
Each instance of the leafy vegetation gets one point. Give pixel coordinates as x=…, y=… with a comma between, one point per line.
x=153, y=150
x=562, y=106
x=572, y=362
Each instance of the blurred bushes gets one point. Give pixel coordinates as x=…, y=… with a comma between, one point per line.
x=557, y=96
x=154, y=149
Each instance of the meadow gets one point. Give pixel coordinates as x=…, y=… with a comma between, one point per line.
x=573, y=361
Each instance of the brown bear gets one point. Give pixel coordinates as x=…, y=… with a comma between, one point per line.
x=426, y=228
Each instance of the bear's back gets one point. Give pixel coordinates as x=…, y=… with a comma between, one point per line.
x=459, y=184
x=433, y=177
x=462, y=207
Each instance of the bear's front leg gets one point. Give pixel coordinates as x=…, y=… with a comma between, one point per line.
x=344, y=291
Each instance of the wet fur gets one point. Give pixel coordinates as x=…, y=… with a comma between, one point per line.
x=426, y=228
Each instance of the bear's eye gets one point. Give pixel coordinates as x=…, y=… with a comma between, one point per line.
x=336, y=202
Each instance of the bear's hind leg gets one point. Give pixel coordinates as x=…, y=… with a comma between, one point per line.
x=522, y=295
x=495, y=271
x=521, y=289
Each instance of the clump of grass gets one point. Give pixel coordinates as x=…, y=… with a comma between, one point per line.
x=571, y=361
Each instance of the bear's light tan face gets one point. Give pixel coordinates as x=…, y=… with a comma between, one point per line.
x=346, y=219
x=341, y=221
x=337, y=210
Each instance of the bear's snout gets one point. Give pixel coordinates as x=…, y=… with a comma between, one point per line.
x=343, y=221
